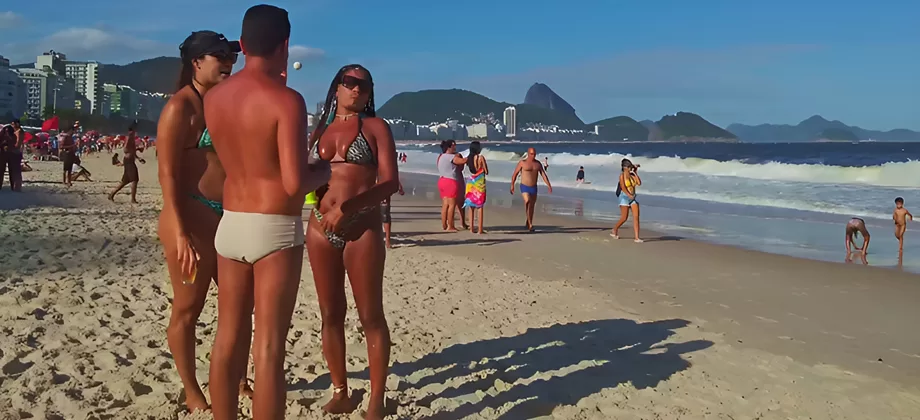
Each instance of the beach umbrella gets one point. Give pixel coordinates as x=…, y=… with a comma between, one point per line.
x=52, y=123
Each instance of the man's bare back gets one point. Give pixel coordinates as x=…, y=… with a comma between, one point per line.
x=244, y=115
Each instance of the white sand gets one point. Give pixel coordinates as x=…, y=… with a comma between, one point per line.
x=84, y=301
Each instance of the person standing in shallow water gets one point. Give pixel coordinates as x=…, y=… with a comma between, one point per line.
x=192, y=182
x=345, y=235
x=529, y=169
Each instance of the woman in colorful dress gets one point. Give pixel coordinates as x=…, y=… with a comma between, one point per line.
x=476, y=187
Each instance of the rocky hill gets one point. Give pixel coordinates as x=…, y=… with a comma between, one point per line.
x=152, y=75
x=542, y=96
x=440, y=105
x=620, y=128
x=811, y=128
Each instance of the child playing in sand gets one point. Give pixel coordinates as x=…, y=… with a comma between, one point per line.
x=900, y=216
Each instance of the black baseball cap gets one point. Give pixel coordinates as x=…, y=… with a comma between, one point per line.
x=202, y=43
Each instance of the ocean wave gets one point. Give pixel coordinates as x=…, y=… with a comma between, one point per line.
x=726, y=197
x=892, y=174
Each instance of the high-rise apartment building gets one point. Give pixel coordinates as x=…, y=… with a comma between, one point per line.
x=123, y=100
x=510, y=122
x=13, y=92
x=53, y=60
x=45, y=88
x=85, y=75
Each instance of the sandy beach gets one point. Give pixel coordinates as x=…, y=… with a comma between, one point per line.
x=565, y=323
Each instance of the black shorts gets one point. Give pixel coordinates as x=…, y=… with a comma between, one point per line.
x=69, y=159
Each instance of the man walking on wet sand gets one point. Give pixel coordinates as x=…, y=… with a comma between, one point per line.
x=259, y=132
x=529, y=169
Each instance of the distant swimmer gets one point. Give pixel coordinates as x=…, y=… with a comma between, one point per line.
x=258, y=131
x=900, y=216
x=529, y=169
x=545, y=163
x=854, y=226
x=580, y=176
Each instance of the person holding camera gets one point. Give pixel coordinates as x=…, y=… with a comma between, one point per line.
x=626, y=192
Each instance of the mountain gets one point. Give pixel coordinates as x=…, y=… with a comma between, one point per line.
x=620, y=128
x=152, y=75
x=690, y=127
x=542, y=96
x=439, y=105
x=836, y=134
x=811, y=129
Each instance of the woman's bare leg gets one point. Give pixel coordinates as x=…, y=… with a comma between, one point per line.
x=116, y=190
x=458, y=204
x=277, y=279
x=482, y=212
x=134, y=192
x=188, y=301
x=472, y=219
x=364, y=260
x=329, y=278
x=445, y=207
x=635, y=211
x=451, y=208
x=624, y=214
x=229, y=356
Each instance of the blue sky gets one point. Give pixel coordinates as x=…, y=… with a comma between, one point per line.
x=727, y=60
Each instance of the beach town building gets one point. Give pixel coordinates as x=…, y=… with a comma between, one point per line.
x=46, y=88
x=485, y=131
x=510, y=121
x=13, y=92
x=86, y=80
x=122, y=100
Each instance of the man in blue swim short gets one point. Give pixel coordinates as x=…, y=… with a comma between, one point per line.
x=529, y=168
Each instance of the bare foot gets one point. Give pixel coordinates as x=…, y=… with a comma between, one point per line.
x=451, y=229
x=375, y=412
x=134, y=202
x=111, y=198
x=196, y=401
x=614, y=235
x=638, y=241
x=339, y=404
x=245, y=389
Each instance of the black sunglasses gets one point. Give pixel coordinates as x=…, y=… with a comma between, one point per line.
x=351, y=81
x=225, y=56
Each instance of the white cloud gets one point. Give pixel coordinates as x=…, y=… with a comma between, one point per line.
x=91, y=44
x=301, y=52
x=9, y=20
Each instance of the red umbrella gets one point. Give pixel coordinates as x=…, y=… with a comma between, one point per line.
x=51, y=124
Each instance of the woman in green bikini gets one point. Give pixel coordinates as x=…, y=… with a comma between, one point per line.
x=191, y=179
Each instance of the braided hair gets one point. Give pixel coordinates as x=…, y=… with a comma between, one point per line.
x=329, y=107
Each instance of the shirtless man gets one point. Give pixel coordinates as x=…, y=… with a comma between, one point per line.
x=68, y=150
x=854, y=226
x=900, y=216
x=529, y=168
x=259, y=132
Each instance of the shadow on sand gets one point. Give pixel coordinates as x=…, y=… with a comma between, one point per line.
x=556, y=365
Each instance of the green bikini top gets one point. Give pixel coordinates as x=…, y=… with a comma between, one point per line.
x=205, y=140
